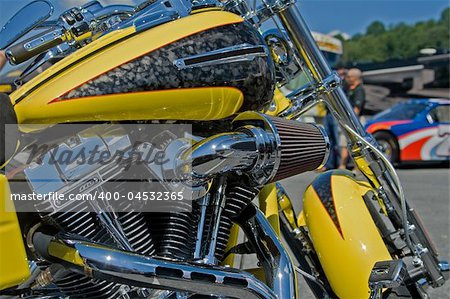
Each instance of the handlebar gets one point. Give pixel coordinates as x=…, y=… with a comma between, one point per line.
x=77, y=26
x=35, y=45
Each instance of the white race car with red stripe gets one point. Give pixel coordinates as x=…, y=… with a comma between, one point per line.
x=414, y=130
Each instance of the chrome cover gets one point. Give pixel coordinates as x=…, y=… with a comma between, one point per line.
x=287, y=67
x=249, y=149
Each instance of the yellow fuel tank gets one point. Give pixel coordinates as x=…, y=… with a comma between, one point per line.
x=343, y=233
x=173, y=71
x=13, y=260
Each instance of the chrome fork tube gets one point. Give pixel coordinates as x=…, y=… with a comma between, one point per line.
x=304, y=42
x=381, y=174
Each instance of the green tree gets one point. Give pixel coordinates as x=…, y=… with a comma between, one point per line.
x=376, y=28
x=445, y=16
x=398, y=41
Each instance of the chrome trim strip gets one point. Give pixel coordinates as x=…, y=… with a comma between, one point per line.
x=238, y=53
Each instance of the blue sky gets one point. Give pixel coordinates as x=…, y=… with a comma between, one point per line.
x=353, y=16
x=350, y=16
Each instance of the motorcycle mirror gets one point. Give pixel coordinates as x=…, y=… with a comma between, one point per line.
x=26, y=19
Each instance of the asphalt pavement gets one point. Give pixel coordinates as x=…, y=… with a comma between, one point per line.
x=428, y=192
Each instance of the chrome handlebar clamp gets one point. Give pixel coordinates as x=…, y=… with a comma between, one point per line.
x=307, y=96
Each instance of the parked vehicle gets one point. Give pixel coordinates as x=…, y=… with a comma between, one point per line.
x=414, y=130
x=111, y=73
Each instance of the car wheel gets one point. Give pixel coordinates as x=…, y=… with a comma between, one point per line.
x=388, y=145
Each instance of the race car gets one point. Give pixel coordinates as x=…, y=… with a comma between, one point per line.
x=413, y=130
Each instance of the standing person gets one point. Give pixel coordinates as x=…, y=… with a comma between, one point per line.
x=2, y=59
x=357, y=98
x=355, y=90
x=342, y=72
x=331, y=128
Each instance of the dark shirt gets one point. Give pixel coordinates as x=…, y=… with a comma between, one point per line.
x=357, y=97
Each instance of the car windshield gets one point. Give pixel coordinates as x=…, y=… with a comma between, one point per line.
x=401, y=111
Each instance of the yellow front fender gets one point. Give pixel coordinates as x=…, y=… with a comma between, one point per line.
x=343, y=233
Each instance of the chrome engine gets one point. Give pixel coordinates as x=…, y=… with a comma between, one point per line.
x=194, y=231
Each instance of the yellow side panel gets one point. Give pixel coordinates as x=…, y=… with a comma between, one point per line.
x=301, y=221
x=280, y=101
x=232, y=241
x=13, y=260
x=286, y=208
x=268, y=203
x=74, y=58
x=210, y=103
x=346, y=258
x=6, y=88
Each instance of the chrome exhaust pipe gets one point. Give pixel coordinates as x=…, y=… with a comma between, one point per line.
x=100, y=262
x=282, y=277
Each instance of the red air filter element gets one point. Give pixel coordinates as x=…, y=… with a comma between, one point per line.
x=303, y=147
x=293, y=147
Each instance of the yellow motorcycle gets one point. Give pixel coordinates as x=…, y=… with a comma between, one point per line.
x=121, y=80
